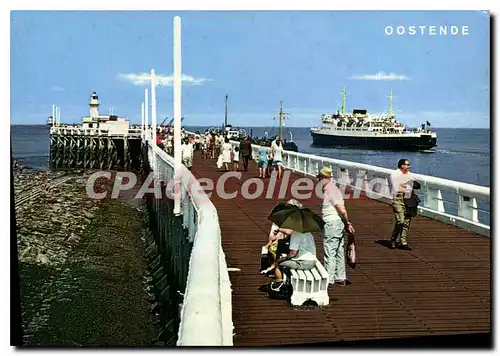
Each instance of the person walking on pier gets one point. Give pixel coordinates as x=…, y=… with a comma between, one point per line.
x=245, y=151
x=277, y=154
x=263, y=160
x=403, y=182
x=187, y=153
x=226, y=150
x=159, y=139
x=236, y=159
x=211, y=140
x=334, y=215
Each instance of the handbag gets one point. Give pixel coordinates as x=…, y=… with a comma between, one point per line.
x=280, y=290
x=411, y=205
x=351, y=250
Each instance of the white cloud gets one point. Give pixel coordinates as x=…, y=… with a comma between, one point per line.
x=380, y=76
x=56, y=88
x=143, y=79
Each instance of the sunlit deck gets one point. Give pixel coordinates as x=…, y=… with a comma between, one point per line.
x=440, y=287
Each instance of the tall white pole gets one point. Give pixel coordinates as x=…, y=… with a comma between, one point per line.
x=153, y=120
x=142, y=120
x=153, y=104
x=177, y=111
x=58, y=116
x=53, y=115
x=146, y=113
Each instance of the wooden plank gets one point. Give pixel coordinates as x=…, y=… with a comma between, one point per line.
x=440, y=287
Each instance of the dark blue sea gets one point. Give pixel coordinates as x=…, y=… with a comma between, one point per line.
x=462, y=154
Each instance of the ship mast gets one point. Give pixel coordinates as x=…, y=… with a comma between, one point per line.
x=281, y=119
x=225, y=116
x=390, y=104
x=344, y=95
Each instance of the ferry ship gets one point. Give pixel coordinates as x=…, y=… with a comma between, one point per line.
x=362, y=130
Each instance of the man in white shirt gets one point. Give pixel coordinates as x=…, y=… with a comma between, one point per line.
x=402, y=185
x=334, y=215
x=187, y=153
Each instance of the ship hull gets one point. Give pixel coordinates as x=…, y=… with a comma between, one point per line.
x=411, y=143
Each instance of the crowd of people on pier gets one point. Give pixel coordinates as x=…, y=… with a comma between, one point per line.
x=214, y=144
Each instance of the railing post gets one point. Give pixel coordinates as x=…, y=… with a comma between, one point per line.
x=343, y=176
x=433, y=199
x=360, y=184
x=467, y=208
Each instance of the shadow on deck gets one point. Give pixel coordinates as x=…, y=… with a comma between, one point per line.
x=441, y=287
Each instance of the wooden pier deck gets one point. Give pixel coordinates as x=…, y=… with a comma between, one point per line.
x=441, y=287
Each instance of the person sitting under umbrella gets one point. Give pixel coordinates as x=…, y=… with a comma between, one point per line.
x=298, y=223
x=274, y=239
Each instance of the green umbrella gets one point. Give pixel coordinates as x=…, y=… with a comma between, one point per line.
x=292, y=217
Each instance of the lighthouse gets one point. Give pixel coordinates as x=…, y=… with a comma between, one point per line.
x=94, y=105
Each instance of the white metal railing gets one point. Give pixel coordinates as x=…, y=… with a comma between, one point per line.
x=80, y=131
x=456, y=203
x=206, y=315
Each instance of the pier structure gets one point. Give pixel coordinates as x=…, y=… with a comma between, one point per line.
x=207, y=247
x=99, y=142
x=441, y=287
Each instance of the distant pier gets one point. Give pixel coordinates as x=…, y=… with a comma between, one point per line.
x=99, y=142
x=94, y=148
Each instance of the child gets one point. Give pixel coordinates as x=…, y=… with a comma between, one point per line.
x=263, y=160
x=236, y=159
x=272, y=247
x=270, y=159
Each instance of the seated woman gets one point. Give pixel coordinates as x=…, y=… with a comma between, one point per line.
x=276, y=245
x=271, y=249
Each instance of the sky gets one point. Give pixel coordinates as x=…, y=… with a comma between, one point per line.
x=304, y=58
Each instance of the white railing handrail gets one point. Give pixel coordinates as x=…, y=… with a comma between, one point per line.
x=432, y=187
x=460, y=187
x=206, y=315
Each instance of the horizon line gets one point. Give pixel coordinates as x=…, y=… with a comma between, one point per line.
x=267, y=127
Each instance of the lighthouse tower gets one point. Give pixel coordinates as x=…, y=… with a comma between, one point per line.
x=94, y=105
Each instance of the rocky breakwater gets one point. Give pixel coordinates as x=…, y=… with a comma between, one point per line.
x=52, y=213
x=81, y=263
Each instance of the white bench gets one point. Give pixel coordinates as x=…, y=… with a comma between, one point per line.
x=310, y=285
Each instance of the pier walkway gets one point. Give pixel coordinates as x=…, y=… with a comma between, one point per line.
x=441, y=287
